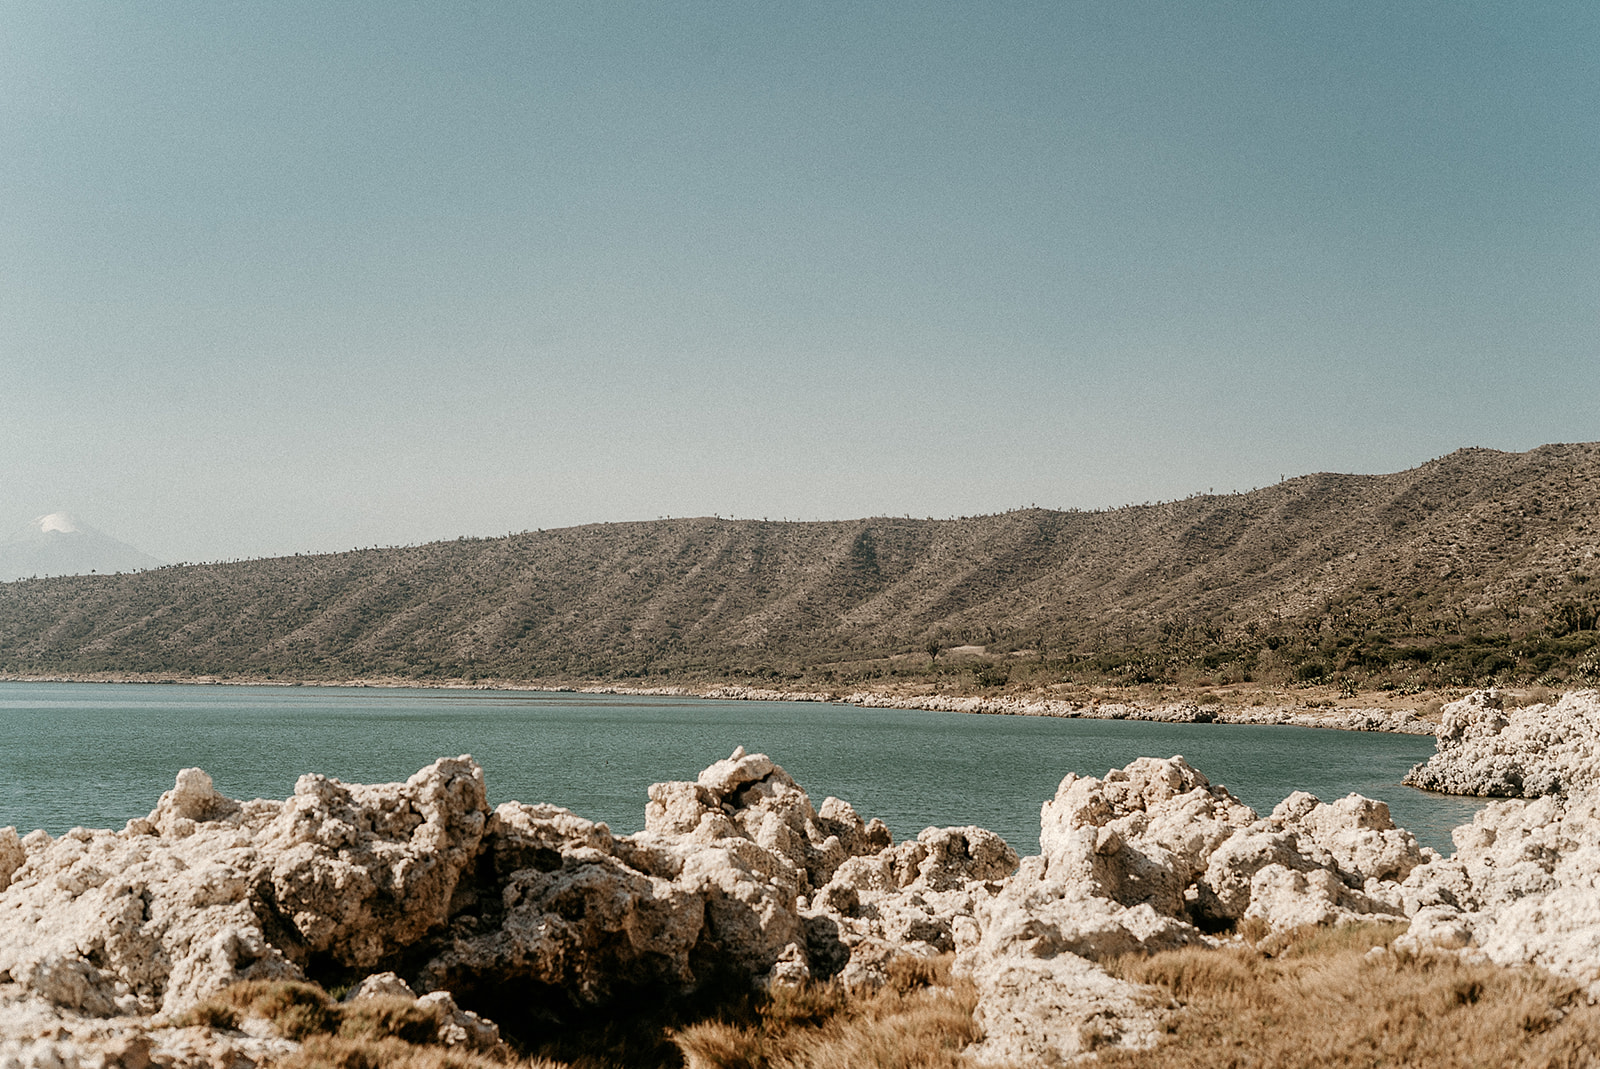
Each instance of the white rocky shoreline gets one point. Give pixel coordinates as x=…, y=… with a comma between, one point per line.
x=1346, y=718
x=108, y=938
x=1399, y=721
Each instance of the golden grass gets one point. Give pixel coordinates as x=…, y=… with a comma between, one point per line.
x=371, y=1033
x=1317, y=999
x=920, y=1020
x=295, y=1009
x=335, y=1052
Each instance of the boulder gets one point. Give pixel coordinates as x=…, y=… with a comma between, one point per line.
x=735, y=874
x=1523, y=887
x=1139, y=836
x=1486, y=750
x=1048, y=1011
x=362, y=871
x=1154, y=857
x=207, y=891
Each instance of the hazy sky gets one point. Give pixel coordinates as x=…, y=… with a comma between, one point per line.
x=304, y=276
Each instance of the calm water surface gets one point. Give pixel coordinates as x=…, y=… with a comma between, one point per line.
x=97, y=754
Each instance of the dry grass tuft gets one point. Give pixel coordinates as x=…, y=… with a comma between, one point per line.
x=1313, y=940
x=296, y=1009
x=375, y=1033
x=389, y=1017
x=920, y=1020
x=1318, y=998
x=336, y=1052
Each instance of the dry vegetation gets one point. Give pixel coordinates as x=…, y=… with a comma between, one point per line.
x=1478, y=567
x=374, y=1033
x=1315, y=998
x=921, y=1020
x=1320, y=999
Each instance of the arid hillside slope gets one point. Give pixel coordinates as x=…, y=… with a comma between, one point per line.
x=1476, y=564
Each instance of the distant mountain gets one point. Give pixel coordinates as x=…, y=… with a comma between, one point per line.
x=1476, y=566
x=58, y=544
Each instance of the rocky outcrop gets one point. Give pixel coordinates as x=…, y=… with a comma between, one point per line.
x=713, y=885
x=414, y=887
x=1488, y=750
x=736, y=874
x=1522, y=887
x=920, y=897
x=1153, y=857
x=206, y=890
x=343, y=880
x=1524, y=883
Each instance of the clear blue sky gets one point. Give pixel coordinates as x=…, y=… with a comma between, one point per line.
x=303, y=276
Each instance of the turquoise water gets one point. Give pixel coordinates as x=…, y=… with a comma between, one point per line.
x=97, y=754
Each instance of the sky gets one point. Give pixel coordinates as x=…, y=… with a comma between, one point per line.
x=299, y=277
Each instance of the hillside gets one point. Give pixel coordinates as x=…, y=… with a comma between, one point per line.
x=1476, y=566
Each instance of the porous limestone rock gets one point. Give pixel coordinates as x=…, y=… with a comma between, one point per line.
x=733, y=875
x=1522, y=887
x=419, y=887
x=1139, y=836
x=361, y=871
x=35, y=1034
x=207, y=891
x=918, y=898
x=564, y=908
x=1154, y=857
x=1309, y=862
x=1048, y=1011
x=1485, y=749
x=11, y=855
x=713, y=885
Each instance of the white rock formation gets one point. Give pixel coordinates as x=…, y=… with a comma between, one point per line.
x=344, y=879
x=1154, y=857
x=1522, y=887
x=106, y=936
x=206, y=890
x=11, y=855
x=1484, y=749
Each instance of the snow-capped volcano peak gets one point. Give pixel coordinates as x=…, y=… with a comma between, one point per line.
x=57, y=544
x=57, y=521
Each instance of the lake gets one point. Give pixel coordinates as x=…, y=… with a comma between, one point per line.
x=96, y=754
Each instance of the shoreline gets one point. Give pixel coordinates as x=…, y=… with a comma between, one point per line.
x=1314, y=713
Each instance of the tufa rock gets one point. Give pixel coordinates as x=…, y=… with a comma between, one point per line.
x=1523, y=887
x=106, y=937
x=1485, y=750
x=1154, y=857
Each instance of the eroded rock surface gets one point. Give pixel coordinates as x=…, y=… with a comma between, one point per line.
x=206, y=890
x=1522, y=887
x=106, y=937
x=420, y=879
x=711, y=886
x=1487, y=750
x=1154, y=857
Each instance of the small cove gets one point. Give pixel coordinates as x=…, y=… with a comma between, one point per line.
x=96, y=754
